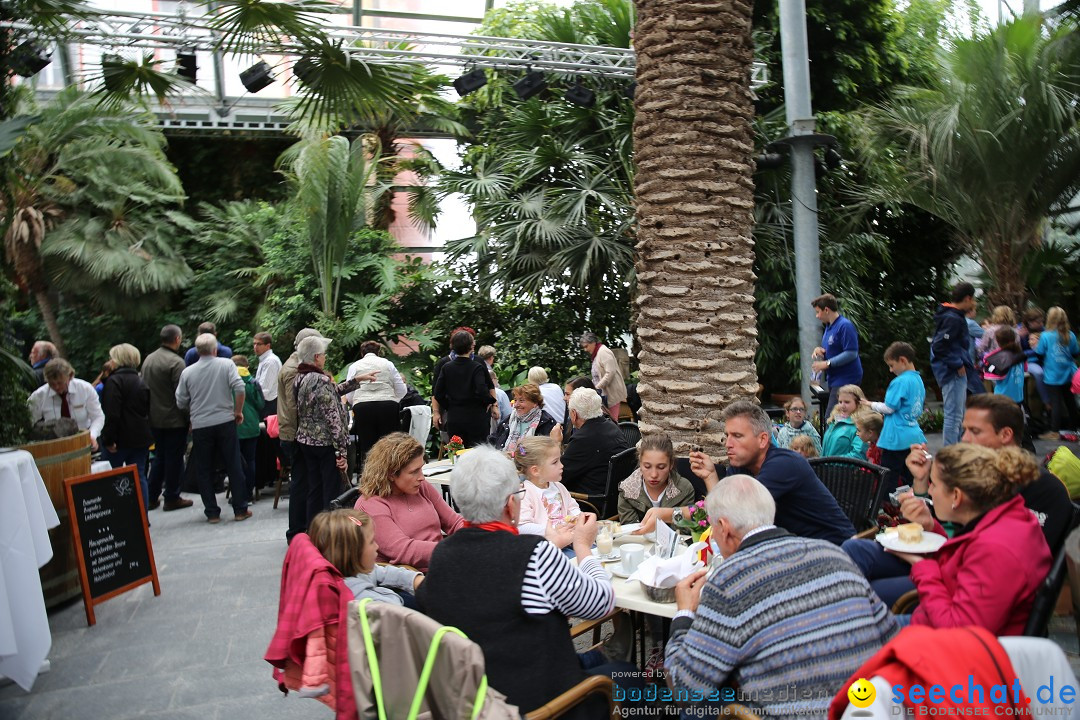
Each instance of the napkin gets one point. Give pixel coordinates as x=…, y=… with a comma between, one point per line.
x=667, y=572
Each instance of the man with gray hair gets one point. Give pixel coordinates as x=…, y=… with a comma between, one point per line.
x=784, y=619
x=595, y=440
x=803, y=505
x=516, y=607
x=213, y=394
x=40, y=354
x=169, y=424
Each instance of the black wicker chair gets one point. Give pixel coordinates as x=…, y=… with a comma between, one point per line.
x=1046, y=596
x=630, y=433
x=619, y=468
x=857, y=485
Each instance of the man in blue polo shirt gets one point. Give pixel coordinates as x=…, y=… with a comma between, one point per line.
x=839, y=348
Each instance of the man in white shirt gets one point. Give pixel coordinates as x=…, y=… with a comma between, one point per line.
x=64, y=395
x=267, y=372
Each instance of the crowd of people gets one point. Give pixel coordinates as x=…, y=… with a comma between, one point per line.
x=796, y=599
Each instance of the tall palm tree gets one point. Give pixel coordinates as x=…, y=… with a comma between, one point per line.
x=991, y=146
x=693, y=145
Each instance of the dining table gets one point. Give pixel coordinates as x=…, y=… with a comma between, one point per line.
x=26, y=515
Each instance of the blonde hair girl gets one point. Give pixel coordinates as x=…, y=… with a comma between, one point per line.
x=841, y=436
x=346, y=538
x=546, y=506
x=1057, y=348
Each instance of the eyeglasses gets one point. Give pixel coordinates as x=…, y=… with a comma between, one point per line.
x=797, y=410
x=516, y=492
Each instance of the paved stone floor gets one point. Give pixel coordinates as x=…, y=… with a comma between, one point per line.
x=195, y=652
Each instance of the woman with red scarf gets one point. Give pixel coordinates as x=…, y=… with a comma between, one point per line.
x=321, y=424
x=511, y=593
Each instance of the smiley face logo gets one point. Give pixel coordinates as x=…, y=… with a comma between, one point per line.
x=861, y=693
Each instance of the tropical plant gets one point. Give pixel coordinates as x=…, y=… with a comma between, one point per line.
x=991, y=145
x=694, y=141
x=91, y=206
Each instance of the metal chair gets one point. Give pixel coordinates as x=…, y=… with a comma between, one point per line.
x=1046, y=596
x=857, y=485
x=630, y=432
x=619, y=468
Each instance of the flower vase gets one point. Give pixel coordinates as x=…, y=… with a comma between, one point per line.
x=453, y=458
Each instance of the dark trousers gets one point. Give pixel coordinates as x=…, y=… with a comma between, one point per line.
x=137, y=457
x=208, y=444
x=472, y=425
x=298, y=487
x=167, y=467
x=247, y=457
x=1062, y=407
x=372, y=420
x=269, y=408
x=899, y=474
x=324, y=479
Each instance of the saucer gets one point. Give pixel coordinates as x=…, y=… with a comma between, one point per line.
x=618, y=570
x=610, y=557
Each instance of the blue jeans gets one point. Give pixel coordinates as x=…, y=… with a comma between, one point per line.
x=954, y=394
x=137, y=457
x=889, y=576
x=168, y=464
x=220, y=440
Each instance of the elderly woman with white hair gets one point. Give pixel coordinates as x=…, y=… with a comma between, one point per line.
x=322, y=434
x=595, y=440
x=511, y=593
x=774, y=612
x=125, y=400
x=554, y=400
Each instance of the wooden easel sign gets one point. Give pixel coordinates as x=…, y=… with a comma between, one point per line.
x=112, y=539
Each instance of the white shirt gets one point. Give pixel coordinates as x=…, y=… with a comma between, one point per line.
x=554, y=402
x=388, y=384
x=83, y=404
x=266, y=374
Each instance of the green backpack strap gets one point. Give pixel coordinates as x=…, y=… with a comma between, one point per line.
x=425, y=673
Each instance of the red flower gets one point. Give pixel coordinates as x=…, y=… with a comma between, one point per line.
x=456, y=440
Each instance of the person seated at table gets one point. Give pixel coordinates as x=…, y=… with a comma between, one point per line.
x=410, y=516
x=65, y=396
x=803, y=505
x=512, y=593
x=546, y=505
x=528, y=419
x=595, y=440
x=779, y=610
x=655, y=489
x=988, y=572
x=571, y=385
x=346, y=538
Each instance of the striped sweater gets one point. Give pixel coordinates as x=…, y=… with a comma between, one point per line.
x=785, y=619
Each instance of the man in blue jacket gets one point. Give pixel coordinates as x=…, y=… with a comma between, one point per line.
x=839, y=348
x=950, y=358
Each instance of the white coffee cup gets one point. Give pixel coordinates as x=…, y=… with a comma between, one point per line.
x=631, y=556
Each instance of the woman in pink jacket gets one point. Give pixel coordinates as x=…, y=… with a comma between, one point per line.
x=987, y=574
x=410, y=516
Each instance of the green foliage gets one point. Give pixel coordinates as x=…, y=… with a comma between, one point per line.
x=931, y=421
x=16, y=377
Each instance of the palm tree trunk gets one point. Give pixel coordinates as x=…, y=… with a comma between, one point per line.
x=693, y=142
x=48, y=314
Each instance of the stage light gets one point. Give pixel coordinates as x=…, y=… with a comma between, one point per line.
x=256, y=77
x=580, y=95
x=30, y=58
x=834, y=159
x=531, y=85
x=186, y=66
x=630, y=90
x=769, y=161
x=305, y=71
x=470, y=82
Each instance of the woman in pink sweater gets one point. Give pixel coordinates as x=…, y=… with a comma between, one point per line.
x=410, y=516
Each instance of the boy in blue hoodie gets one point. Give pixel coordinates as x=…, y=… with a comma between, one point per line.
x=950, y=358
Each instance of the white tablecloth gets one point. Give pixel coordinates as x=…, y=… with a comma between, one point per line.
x=26, y=514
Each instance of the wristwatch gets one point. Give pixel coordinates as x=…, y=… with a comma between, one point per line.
x=676, y=515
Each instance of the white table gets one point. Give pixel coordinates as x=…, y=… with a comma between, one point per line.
x=26, y=514
x=438, y=473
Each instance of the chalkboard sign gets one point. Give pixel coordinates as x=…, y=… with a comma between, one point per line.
x=112, y=539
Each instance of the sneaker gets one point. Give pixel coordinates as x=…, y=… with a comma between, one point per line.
x=214, y=520
x=1050, y=435
x=176, y=504
x=654, y=666
x=242, y=516
x=619, y=645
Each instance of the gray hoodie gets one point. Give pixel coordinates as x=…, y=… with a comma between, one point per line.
x=379, y=584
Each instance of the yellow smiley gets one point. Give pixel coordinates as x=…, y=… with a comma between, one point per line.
x=861, y=693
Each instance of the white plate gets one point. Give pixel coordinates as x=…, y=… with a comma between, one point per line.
x=617, y=570
x=931, y=542
x=625, y=536
x=613, y=557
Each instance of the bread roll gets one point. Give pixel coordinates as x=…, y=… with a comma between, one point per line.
x=910, y=532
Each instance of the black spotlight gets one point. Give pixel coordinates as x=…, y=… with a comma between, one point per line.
x=305, y=71
x=470, y=82
x=834, y=159
x=580, y=95
x=256, y=77
x=629, y=90
x=531, y=85
x=769, y=161
x=186, y=66
x=30, y=58
x=112, y=68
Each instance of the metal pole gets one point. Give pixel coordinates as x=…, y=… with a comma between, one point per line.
x=800, y=119
x=1031, y=7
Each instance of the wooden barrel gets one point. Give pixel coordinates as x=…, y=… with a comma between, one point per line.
x=57, y=460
